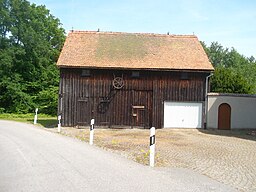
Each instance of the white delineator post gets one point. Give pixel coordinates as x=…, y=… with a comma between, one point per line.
x=59, y=123
x=91, y=131
x=35, y=118
x=152, y=146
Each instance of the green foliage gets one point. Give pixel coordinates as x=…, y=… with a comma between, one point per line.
x=226, y=80
x=30, y=43
x=2, y=110
x=48, y=100
x=234, y=73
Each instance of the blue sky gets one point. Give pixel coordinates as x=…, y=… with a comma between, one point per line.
x=230, y=22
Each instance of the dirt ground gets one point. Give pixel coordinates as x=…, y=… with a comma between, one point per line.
x=226, y=156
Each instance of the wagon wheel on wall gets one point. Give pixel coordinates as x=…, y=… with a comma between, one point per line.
x=118, y=83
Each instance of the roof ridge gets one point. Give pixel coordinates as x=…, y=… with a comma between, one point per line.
x=129, y=33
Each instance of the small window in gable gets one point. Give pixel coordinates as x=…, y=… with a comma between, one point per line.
x=86, y=73
x=184, y=76
x=135, y=74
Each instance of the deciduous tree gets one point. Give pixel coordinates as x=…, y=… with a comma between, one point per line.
x=234, y=73
x=31, y=39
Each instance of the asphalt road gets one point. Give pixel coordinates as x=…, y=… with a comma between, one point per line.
x=32, y=159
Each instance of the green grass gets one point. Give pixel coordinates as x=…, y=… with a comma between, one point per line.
x=44, y=120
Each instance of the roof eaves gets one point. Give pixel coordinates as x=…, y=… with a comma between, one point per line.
x=137, y=69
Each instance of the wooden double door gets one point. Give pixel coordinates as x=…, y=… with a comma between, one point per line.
x=97, y=108
x=129, y=108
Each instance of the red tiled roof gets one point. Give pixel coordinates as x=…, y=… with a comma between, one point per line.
x=89, y=49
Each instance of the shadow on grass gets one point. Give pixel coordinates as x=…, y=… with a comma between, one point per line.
x=247, y=134
x=48, y=123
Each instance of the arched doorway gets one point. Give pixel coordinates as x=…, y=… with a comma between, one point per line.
x=224, y=116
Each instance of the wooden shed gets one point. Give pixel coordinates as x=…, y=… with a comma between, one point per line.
x=132, y=80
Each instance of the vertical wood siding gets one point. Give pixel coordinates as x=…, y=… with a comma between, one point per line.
x=84, y=98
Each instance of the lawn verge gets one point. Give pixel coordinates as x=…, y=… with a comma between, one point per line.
x=44, y=120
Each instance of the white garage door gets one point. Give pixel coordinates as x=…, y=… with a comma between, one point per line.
x=182, y=115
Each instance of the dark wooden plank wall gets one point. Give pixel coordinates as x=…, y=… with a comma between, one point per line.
x=84, y=98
